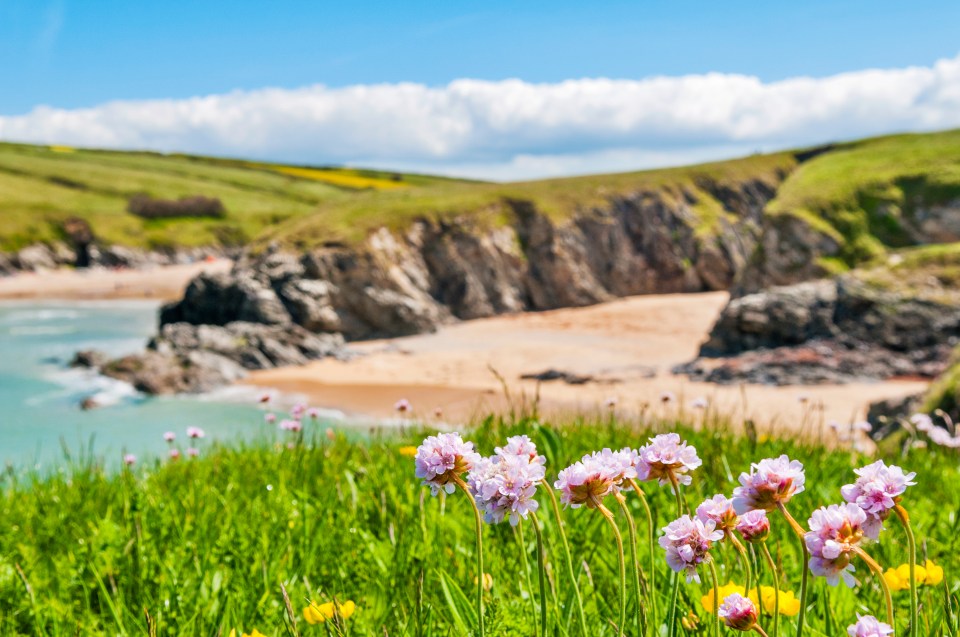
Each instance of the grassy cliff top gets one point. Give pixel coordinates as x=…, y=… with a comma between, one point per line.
x=859, y=192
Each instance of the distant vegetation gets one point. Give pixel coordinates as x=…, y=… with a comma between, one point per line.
x=196, y=206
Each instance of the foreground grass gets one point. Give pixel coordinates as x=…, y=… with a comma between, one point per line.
x=202, y=546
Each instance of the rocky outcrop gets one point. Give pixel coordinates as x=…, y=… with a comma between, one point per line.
x=835, y=330
x=399, y=283
x=186, y=358
x=80, y=252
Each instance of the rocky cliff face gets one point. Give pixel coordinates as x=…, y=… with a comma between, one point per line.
x=432, y=273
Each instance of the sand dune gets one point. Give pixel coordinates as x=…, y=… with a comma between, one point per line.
x=628, y=346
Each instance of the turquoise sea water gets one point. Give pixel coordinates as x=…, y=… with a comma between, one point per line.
x=40, y=396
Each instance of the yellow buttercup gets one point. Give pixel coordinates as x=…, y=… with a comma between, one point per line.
x=319, y=613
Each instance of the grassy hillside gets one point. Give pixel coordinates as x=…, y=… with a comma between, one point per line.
x=41, y=186
x=199, y=547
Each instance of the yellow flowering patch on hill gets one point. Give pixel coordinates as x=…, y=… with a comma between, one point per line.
x=343, y=178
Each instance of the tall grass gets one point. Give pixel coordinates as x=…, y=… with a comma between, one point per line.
x=198, y=547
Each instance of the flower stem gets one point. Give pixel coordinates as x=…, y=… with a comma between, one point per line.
x=672, y=616
x=806, y=567
x=526, y=566
x=912, y=547
x=632, y=528
x=608, y=516
x=676, y=492
x=776, y=588
x=878, y=571
x=757, y=628
x=650, y=546
x=542, y=571
x=716, y=598
x=479, y=531
x=742, y=550
x=566, y=555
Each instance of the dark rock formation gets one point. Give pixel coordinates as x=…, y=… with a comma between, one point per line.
x=89, y=359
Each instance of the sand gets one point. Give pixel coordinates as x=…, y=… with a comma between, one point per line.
x=161, y=282
x=628, y=345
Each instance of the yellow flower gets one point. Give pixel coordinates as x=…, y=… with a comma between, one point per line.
x=319, y=613
x=487, y=582
x=727, y=589
x=789, y=604
x=903, y=572
x=894, y=582
x=409, y=451
x=934, y=574
x=255, y=633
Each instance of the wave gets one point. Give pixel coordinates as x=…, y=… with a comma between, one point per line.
x=42, y=330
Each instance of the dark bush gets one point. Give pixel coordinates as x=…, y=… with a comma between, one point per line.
x=194, y=206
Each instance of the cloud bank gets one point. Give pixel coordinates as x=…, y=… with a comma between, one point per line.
x=513, y=129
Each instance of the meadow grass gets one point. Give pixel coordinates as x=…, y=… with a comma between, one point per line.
x=203, y=546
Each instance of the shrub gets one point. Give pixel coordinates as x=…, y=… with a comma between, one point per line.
x=147, y=207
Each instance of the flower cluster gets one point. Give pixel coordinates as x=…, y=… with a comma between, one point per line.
x=719, y=510
x=868, y=626
x=835, y=532
x=505, y=484
x=666, y=458
x=898, y=579
x=738, y=612
x=687, y=542
x=877, y=490
x=587, y=482
x=319, y=613
x=770, y=482
x=754, y=526
x=442, y=459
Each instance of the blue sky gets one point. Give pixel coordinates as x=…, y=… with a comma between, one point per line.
x=73, y=54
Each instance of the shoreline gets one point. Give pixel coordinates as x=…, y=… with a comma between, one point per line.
x=159, y=283
x=628, y=346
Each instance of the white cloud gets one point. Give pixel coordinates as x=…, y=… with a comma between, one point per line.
x=513, y=129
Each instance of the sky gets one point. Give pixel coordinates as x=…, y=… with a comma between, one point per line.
x=499, y=90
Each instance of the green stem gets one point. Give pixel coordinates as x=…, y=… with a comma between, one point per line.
x=806, y=567
x=479, y=531
x=742, y=550
x=608, y=516
x=878, y=571
x=542, y=571
x=632, y=528
x=912, y=548
x=759, y=630
x=651, y=543
x=676, y=492
x=716, y=597
x=566, y=555
x=526, y=566
x=776, y=588
x=672, y=616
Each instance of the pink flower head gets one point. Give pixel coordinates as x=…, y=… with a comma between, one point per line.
x=522, y=447
x=754, y=525
x=169, y=436
x=438, y=412
x=863, y=425
x=442, y=459
x=195, y=432
x=719, y=510
x=265, y=397
x=270, y=419
x=129, y=460
x=942, y=437
x=877, y=491
x=610, y=403
x=667, y=456
x=291, y=425
x=738, y=612
x=668, y=397
x=869, y=626
x=504, y=487
x=687, y=541
x=403, y=406
x=770, y=481
x=922, y=422
x=193, y=452
x=835, y=531
x=587, y=482
x=174, y=454
x=313, y=413
x=298, y=411
x=699, y=403
x=621, y=465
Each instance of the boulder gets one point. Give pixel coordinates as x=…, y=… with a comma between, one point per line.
x=35, y=257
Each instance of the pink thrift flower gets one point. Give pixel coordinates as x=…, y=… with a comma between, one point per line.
x=687, y=542
x=443, y=458
x=313, y=413
x=265, y=397
x=438, y=412
x=621, y=465
x=668, y=397
x=922, y=422
x=754, y=525
x=169, y=436
x=298, y=411
x=174, y=454
x=667, y=455
x=770, y=481
x=869, y=626
x=523, y=447
x=877, y=491
x=719, y=510
x=195, y=432
x=270, y=418
x=835, y=531
x=193, y=452
x=403, y=406
x=587, y=482
x=129, y=460
x=291, y=425
x=610, y=403
x=504, y=487
x=699, y=403
x=738, y=612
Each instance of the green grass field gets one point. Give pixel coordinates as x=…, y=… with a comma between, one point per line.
x=203, y=546
x=859, y=192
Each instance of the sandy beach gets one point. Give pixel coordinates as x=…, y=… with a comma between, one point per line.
x=161, y=282
x=628, y=346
